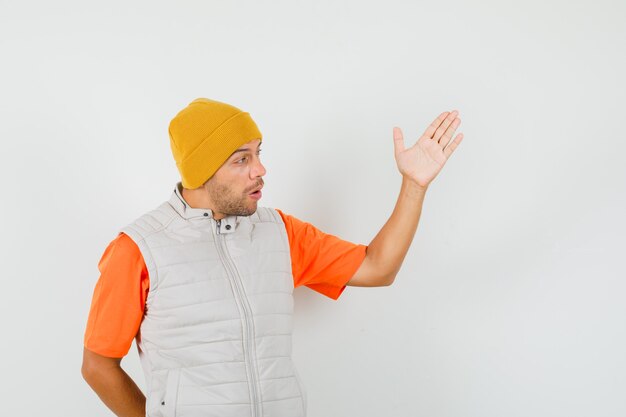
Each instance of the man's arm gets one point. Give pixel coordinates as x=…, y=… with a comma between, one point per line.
x=419, y=165
x=114, y=387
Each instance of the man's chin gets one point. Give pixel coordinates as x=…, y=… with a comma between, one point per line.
x=249, y=212
x=254, y=211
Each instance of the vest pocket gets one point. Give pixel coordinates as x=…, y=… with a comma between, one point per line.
x=170, y=396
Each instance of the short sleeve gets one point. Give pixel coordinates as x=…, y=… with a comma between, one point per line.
x=119, y=299
x=321, y=261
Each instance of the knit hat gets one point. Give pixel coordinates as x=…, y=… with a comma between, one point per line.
x=203, y=136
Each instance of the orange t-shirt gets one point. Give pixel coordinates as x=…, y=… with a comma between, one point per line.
x=320, y=261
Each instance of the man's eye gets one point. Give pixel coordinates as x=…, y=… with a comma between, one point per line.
x=242, y=159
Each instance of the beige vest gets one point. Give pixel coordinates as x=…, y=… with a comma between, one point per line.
x=215, y=339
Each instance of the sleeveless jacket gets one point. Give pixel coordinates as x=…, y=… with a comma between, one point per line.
x=215, y=339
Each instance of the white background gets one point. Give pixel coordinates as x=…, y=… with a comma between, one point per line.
x=511, y=299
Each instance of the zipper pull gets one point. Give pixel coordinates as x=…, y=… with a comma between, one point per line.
x=219, y=223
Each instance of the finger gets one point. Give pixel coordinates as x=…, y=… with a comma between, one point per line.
x=449, y=132
x=430, y=130
x=453, y=145
x=444, y=125
x=398, y=140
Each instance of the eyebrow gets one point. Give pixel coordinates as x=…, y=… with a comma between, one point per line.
x=246, y=149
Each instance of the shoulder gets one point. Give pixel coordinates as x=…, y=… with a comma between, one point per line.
x=150, y=222
x=289, y=220
x=266, y=215
x=124, y=242
x=123, y=247
x=121, y=259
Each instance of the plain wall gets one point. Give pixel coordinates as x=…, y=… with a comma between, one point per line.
x=511, y=299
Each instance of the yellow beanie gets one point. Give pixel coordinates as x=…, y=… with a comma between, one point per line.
x=203, y=136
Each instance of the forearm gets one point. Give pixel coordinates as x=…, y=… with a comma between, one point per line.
x=116, y=390
x=389, y=247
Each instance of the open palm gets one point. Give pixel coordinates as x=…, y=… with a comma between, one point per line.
x=423, y=161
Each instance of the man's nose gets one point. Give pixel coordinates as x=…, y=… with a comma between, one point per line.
x=259, y=169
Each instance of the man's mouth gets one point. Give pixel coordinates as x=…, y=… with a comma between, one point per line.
x=257, y=193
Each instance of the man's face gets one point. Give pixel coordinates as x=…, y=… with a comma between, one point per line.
x=231, y=187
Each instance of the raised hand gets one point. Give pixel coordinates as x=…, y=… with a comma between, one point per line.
x=422, y=162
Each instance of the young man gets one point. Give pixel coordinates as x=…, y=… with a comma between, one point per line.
x=204, y=281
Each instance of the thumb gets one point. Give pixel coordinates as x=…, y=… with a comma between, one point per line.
x=398, y=140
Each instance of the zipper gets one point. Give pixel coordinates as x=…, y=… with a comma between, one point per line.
x=248, y=343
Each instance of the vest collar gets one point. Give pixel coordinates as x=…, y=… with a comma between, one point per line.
x=185, y=210
x=227, y=225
